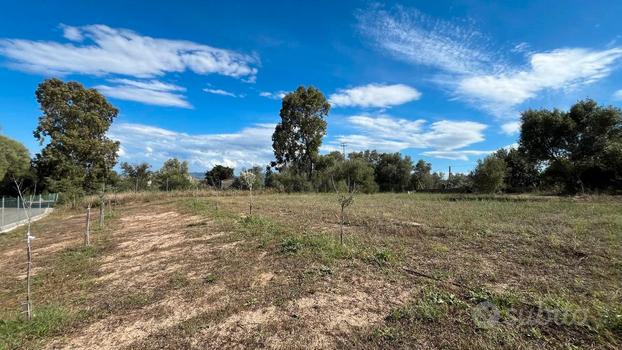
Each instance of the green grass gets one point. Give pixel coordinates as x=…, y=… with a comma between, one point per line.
x=47, y=320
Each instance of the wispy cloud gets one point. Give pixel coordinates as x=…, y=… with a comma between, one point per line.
x=374, y=95
x=617, y=95
x=151, y=92
x=220, y=92
x=101, y=50
x=245, y=148
x=277, y=95
x=467, y=63
x=389, y=134
x=455, y=155
x=562, y=69
x=415, y=37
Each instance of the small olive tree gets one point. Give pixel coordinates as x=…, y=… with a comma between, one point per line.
x=26, y=206
x=345, y=198
x=248, y=179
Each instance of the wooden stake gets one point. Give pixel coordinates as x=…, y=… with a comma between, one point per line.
x=101, y=214
x=87, y=236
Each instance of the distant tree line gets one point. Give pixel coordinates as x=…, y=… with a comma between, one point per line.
x=573, y=151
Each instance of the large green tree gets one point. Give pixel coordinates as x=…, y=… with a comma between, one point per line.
x=521, y=173
x=489, y=174
x=578, y=149
x=174, y=175
x=217, y=174
x=392, y=172
x=14, y=159
x=297, y=138
x=78, y=156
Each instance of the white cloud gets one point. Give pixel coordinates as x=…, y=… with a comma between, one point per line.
x=151, y=92
x=562, y=69
x=617, y=95
x=417, y=38
x=277, y=95
x=456, y=155
x=511, y=128
x=388, y=134
x=374, y=95
x=220, y=92
x=245, y=148
x=148, y=84
x=71, y=33
x=107, y=50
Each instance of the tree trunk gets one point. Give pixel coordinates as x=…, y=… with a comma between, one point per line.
x=28, y=278
x=250, y=203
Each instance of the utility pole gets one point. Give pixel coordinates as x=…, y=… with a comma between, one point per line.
x=449, y=178
x=343, y=149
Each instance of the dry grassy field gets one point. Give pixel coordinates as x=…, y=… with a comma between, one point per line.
x=415, y=271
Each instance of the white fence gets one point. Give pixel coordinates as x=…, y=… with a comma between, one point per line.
x=14, y=212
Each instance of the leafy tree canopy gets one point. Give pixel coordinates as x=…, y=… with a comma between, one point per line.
x=489, y=174
x=14, y=159
x=579, y=149
x=297, y=138
x=137, y=175
x=78, y=155
x=174, y=175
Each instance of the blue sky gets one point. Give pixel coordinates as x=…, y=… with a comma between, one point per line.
x=444, y=81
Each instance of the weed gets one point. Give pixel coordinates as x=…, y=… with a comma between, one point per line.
x=291, y=245
x=381, y=257
x=210, y=278
x=387, y=333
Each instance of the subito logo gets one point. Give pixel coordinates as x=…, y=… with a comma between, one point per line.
x=485, y=315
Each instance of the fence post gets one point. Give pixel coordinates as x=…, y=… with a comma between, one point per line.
x=39, y=202
x=2, y=212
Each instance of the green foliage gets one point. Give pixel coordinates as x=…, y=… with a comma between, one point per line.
x=521, y=173
x=423, y=178
x=297, y=138
x=136, y=177
x=489, y=174
x=210, y=278
x=78, y=156
x=392, y=172
x=460, y=182
x=580, y=149
x=217, y=174
x=290, y=245
x=347, y=175
x=14, y=158
x=173, y=176
x=289, y=180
